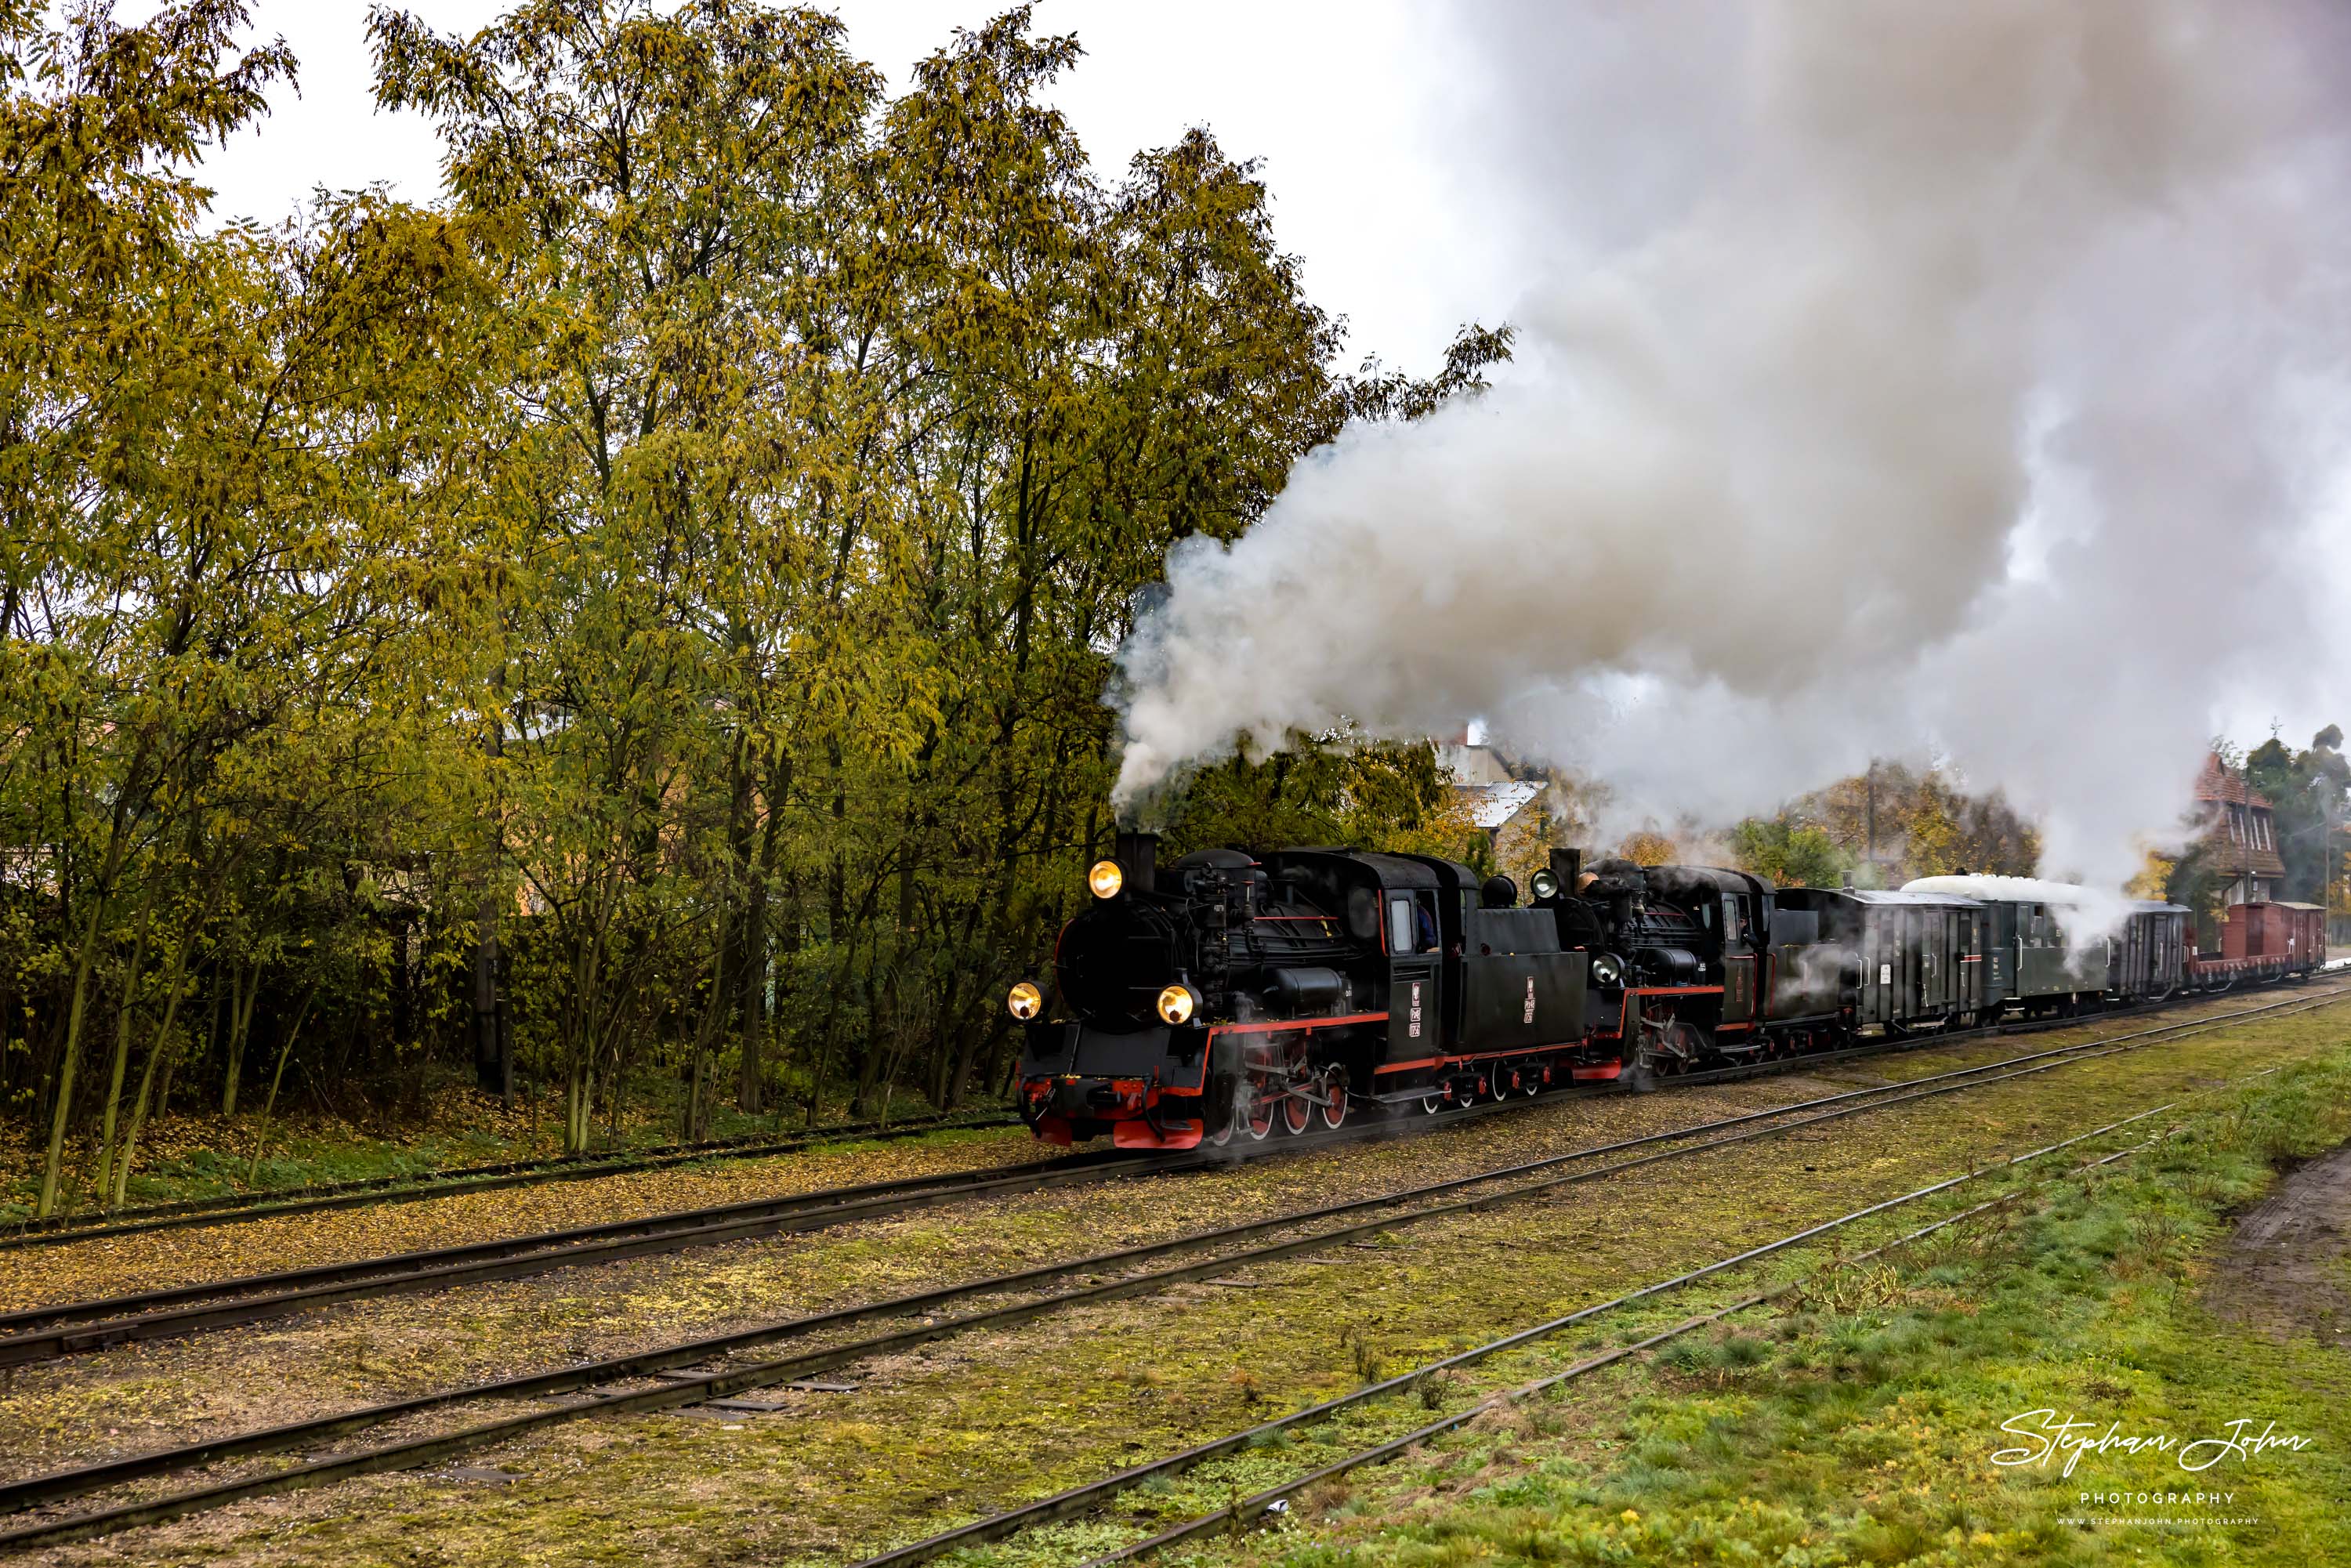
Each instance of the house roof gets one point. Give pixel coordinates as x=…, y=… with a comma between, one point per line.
x=2217, y=787
x=2216, y=783
x=2234, y=862
x=1492, y=805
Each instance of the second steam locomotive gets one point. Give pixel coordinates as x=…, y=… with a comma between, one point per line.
x=1232, y=995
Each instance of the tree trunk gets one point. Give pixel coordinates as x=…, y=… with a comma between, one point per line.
x=212, y=1020
x=890, y=1082
x=751, y=1003
x=112, y=1109
x=751, y=1088
x=138, y=1120
x=575, y=1109
x=172, y=994
x=580, y=1079
x=244, y=990
x=787, y=961
x=493, y=1070
x=53, y=1162
x=816, y=1087
x=163, y=1089
x=261, y=1138
x=870, y=1060
x=959, y=1083
x=826, y=1038
x=700, y=1077
x=689, y=1129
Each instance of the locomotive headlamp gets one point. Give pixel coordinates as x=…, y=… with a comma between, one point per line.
x=1026, y=1001
x=1177, y=1003
x=1106, y=879
x=1607, y=970
x=1546, y=885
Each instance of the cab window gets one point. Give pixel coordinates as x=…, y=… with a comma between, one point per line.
x=1400, y=926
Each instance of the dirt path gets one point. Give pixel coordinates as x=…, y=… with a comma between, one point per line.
x=2284, y=1271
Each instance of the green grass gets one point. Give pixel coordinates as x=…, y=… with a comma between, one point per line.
x=199, y=1155
x=1856, y=1423
x=982, y=1422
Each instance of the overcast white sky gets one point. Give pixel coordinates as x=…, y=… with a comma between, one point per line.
x=1365, y=112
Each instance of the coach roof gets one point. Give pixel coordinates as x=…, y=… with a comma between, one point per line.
x=2031, y=889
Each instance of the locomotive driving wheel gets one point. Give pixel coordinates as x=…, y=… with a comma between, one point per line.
x=1220, y=1109
x=1334, y=1105
x=1297, y=1112
x=1262, y=1109
x=1669, y=1046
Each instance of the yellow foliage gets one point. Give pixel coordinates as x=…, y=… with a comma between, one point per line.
x=1647, y=847
x=2153, y=877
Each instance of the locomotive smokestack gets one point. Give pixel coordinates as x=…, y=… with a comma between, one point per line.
x=1138, y=855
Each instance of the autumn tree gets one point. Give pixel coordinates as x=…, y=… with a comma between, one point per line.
x=1790, y=854
x=2309, y=793
x=657, y=604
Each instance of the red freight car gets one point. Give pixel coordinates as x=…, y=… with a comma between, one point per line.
x=2264, y=942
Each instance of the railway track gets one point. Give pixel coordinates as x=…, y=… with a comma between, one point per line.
x=1259, y=1506
x=42, y=1334
x=237, y=1207
x=681, y=1374
x=233, y=1208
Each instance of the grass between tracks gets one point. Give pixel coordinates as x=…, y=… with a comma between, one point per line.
x=1857, y=1422
x=105, y=1266
x=984, y=1421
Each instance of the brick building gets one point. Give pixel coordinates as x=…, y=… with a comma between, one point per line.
x=2239, y=835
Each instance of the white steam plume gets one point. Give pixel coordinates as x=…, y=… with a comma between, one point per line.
x=1903, y=374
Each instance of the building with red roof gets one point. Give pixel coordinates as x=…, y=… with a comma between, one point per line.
x=2240, y=837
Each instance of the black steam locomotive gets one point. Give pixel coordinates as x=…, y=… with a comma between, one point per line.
x=1232, y=994
x=1235, y=994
